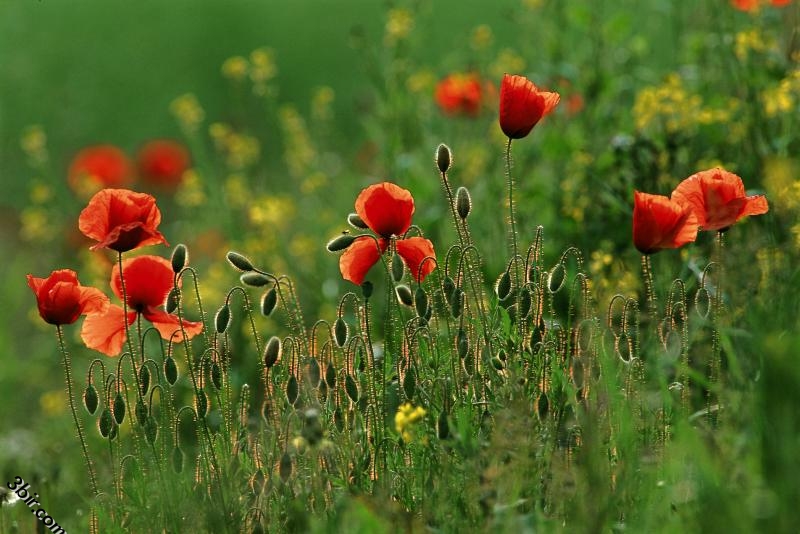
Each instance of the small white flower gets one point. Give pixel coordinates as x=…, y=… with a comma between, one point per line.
x=7, y=497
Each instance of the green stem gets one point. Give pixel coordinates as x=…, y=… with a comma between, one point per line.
x=511, y=217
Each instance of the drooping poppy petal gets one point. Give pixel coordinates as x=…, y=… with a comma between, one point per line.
x=148, y=280
x=169, y=325
x=61, y=299
x=523, y=105
x=718, y=198
x=359, y=258
x=162, y=162
x=660, y=223
x=105, y=332
x=386, y=208
x=96, y=167
x=414, y=250
x=121, y=220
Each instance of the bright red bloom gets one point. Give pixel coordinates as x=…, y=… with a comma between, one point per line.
x=121, y=220
x=660, y=223
x=162, y=162
x=460, y=93
x=753, y=5
x=718, y=198
x=386, y=209
x=99, y=166
x=61, y=298
x=148, y=280
x=522, y=105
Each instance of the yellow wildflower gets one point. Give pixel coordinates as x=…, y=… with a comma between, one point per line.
x=399, y=24
x=34, y=144
x=190, y=194
x=481, y=37
x=235, y=68
x=406, y=418
x=187, y=110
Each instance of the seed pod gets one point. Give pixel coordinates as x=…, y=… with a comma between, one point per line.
x=351, y=387
x=105, y=422
x=272, y=351
x=366, y=289
x=140, y=411
x=216, y=375
x=398, y=268
x=449, y=287
x=356, y=222
x=340, y=332
x=201, y=403
x=442, y=425
x=330, y=375
x=285, y=467
x=240, y=261
x=144, y=380
x=151, y=430
x=255, y=279
x=463, y=202
x=503, y=285
x=462, y=343
x=222, y=319
x=173, y=299
x=340, y=242
x=180, y=257
x=444, y=158
x=170, y=370
x=292, y=390
x=177, y=459
x=114, y=431
x=457, y=302
x=421, y=301
x=404, y=295
x=119, y=408
x=313, y=372
x=410, y=384
x=90, y=399
x=268, y=301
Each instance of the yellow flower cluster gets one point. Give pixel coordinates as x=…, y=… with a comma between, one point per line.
x=421, y=81
x=673, y=108
x=321, y=101
x=406, y=418
x=235, y=68
x=262, y=69
x=399, y=24
x=240, y=150
x=507, y=61
x=782, y=181
x=783, y=98
x=272, y=211
x=481, y=37
x=34, y=144
x=299, y=152
x=752, y=40
x=191, y=193
x=188, y=111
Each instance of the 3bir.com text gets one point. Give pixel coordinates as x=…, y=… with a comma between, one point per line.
x=23, y=490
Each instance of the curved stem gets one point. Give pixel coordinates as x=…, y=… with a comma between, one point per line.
x=68, y=375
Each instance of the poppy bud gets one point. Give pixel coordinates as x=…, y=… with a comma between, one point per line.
x=356, y=222
x=503, y=285
x=141, y=411
x=340, y=332
x=90, y=399
x=272, y=351
x=222, y=319
x=150, y=430
x=268, y=301
x=449, y=288
x=397, y=268
x=239, y=261
x=404, y=295
x=410, y=384
x=177, y=459
x=105, y=422
x=180, y=257
x=457, y=302
x=330, y=375
x=292, y=390
x=444, y=158
x=170, y=370
x=463, y=202
x=340, y=242
x=421, y=302
x=144, y=380
x=285, y=467
x=366, y=289
x=462, y=343
x=351, y=387
x=172, y=301
x=442, y=426
x=255, y=279
x=201, y=403
x=216, y=375
x=119, y=408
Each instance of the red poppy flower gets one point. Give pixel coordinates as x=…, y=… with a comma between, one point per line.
x=96, y=167
x=522, y=105
x=121, y=220
x=460, y=93
x=61, y=298
x=148, y=280
x=752, y=5
x=386, y=209
x=162, y=162
x=718, y=199
x=660, y=223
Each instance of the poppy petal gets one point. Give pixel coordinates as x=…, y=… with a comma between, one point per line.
x=359, y=258
x=121, y=220
x=169, y=325
x=148, y=280
x=386, y=208
x=661, y=223
x=105, y=332
x=414, y=251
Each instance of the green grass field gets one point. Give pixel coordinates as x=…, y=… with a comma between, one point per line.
x=536, y=373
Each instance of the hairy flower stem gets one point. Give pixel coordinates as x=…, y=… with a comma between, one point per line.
x=715, y=366
x=650, y=293
x=68, y=376
x=511, y=217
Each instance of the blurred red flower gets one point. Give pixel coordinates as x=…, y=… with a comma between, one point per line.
x=752, y=5
x=522, y=105
x=386, y=209
x=121, y=220
x=460, y=94
x=162, y=162
x=148, y=280
x=61, y=298
x=718, y=199
x=660, y=223
x=99, y=166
